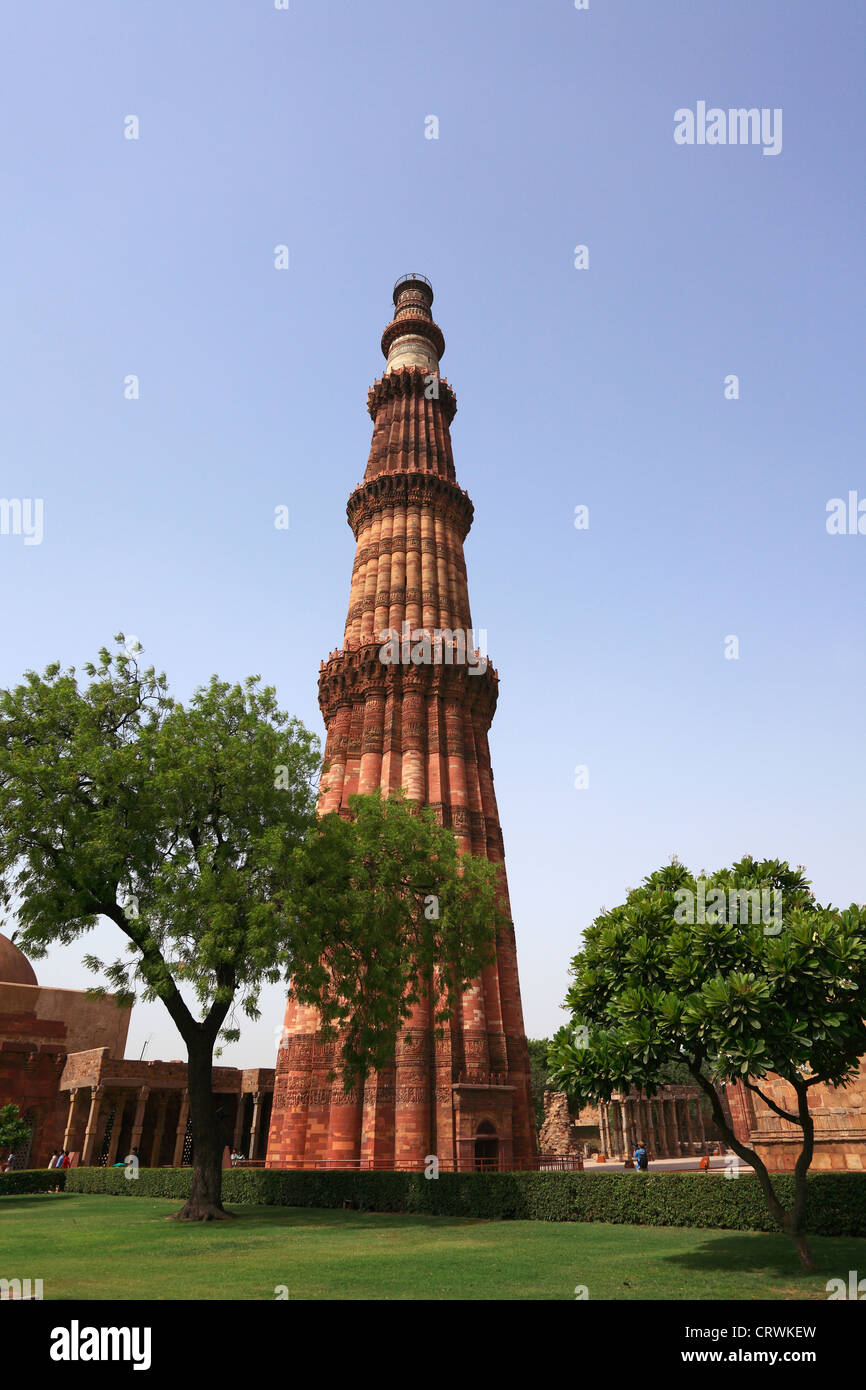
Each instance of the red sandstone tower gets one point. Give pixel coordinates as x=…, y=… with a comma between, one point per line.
x=464, y=1097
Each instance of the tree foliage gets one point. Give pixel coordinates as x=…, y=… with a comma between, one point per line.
x=14, y=1132
x=732, y=1000
x=192, y=828
x=390, y=913
x=538, y=1074
x=118, y=801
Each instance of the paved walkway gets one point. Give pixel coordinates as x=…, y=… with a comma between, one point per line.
x=663, y=1165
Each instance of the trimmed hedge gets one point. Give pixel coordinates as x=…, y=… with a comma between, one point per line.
x=837, y=1201
x=32, y=1180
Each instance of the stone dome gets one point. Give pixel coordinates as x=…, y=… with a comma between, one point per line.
x=15, y=968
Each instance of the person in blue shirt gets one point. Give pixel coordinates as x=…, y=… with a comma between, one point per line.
x=640, y=1158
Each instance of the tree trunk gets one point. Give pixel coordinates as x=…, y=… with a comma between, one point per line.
x=793, y=1222
x=804, y=1253
x=798, y=1215
x=205, y=1197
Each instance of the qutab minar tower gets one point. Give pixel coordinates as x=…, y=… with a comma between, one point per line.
x=464, y=1097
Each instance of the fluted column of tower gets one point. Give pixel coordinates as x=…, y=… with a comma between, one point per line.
x=420, y=725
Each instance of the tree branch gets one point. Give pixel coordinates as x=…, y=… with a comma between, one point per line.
x=785, y=1114
x=742, y=1151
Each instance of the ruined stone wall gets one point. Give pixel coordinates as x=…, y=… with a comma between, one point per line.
x=840, y=1123
x=88, y=1022
x=559, y=1132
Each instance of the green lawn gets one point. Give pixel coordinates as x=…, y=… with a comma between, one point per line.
x=86, y=1247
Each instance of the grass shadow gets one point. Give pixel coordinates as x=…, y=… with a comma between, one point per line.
x=772, y=1254
x=29, y=1200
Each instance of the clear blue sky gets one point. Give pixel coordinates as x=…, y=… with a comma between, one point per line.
x=601, y=387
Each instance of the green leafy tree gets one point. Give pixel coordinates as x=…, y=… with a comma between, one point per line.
x=14, y=1132
x=538, y=1071
x=733, y=1000
x=192, y=828
x=177, y=824
x=676, y=1073
x=391, y=914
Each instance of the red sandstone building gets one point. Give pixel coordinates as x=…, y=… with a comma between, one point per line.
x=39, y=1027
x=62, y=1064
x=839, y=1114
x=677, y=1123
x=422, y=727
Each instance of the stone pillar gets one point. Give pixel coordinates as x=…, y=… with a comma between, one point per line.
x=674, y=1129
x=604, y=1128
x=239, y=1123
x=156, y=1147
x=119, y=1108
x=664, y=1137
x=682, y=1128
x=70, y=1119
x=138, y=1119
x=626, y=1128
x=652, y=1137
x=254, y=1127
x=181, y=1130
x=690, y=1126
x=701, y=1130
x=92, y=1131
x=677, y=1149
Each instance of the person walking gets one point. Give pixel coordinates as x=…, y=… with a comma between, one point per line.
x=641, y=1158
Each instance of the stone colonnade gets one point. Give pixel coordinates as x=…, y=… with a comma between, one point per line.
x=669, y=1126
x=155, y=1122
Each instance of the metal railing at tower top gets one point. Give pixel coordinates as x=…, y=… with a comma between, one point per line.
x=413, y=275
